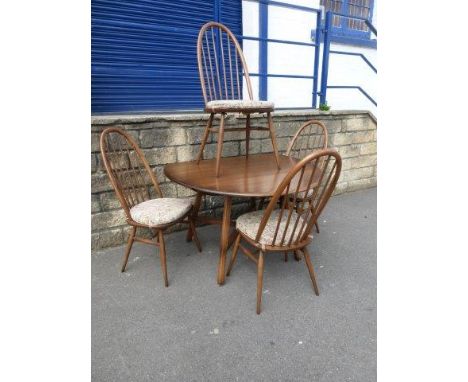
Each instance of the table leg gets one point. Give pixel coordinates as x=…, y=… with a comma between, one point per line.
x=224, y=239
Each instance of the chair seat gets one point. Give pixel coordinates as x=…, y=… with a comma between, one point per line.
x=239, y=105
x=160, y=211
x=248, y=224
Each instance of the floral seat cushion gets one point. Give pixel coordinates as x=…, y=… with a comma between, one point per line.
x=248, y=224
x=236, y=105
x=160, y=211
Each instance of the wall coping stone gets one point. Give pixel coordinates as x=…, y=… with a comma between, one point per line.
x=111, y=119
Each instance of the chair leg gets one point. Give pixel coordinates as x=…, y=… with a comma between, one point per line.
x=131, y=237
x=220, y=144
x=194, y=235
x=234, y=254
x=247, y=135
x=285, y=256
x=194, y=214
x=205, y=138
x=273, y=139
x=310, y=267
x=162, y=257
x=259, y=281
x=297, y=256
x=317, y=227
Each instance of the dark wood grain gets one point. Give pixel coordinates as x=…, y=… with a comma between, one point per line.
x=253, y=176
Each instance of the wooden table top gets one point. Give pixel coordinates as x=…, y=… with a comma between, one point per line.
x=255, y=176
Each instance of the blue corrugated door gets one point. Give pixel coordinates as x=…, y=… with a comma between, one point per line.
x=143, y=52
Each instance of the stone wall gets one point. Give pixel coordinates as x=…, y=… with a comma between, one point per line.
x=167, y=138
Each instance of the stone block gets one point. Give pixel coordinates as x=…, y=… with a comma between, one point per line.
x=189, y=153
x=159, y=172
x=95, y=142
x=184, y=192
x=109, y=201
x=259, y=134
x=355, y=174
x=160, y=155
x=333, y=125
x=195, y=135
x=95, y=204
x=169, y=190
x=349, y=151
x=343, y=139
x=267, y=146
x=283, y=129
x=108, y=238
x=94, y=163
x=162, y=137
x=230, y=149
x=355, y=124
x=282, y=144
x=255, y=147
x=368, y=148
x=106, y=220
x=234, y=136
x=100, y=182
x=360, y=161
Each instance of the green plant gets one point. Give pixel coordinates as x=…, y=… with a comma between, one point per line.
x=324, y=107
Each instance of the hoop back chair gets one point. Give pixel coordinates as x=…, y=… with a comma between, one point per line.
x=132, y=178
x=288, y=228
x=311, y=136
x=222, y=69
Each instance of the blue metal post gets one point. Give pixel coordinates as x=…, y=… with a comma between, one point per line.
x=326, y=56
x=318, y=29
x=263, y=52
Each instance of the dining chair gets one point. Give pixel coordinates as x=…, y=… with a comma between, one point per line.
x=288, y=228
x=224, y=76
x=311, y=136
x=132, y=179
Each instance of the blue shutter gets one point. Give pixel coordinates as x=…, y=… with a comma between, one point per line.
x=143, y=52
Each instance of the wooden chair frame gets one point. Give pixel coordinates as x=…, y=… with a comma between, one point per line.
x=131, y=187
x=321, y=180
x=317, y=145
x=220, y=82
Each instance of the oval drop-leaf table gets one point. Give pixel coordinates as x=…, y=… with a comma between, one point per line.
x=253, y=176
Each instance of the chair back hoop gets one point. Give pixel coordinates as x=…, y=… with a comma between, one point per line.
x=316, y=175
x=128, y=170
x=311, y=136
x=221, y=64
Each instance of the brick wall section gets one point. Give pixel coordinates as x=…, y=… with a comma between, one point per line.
x=176, y=138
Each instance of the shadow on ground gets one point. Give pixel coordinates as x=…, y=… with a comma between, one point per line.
x=197, y=331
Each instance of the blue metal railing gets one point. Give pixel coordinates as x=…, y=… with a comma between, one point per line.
x=263, y=47
x=324, y=29
x=326, y=58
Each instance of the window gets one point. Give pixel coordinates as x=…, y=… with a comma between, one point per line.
x=347, y=30
x=143, y=52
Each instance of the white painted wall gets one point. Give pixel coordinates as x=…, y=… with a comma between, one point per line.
x=295, y=25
